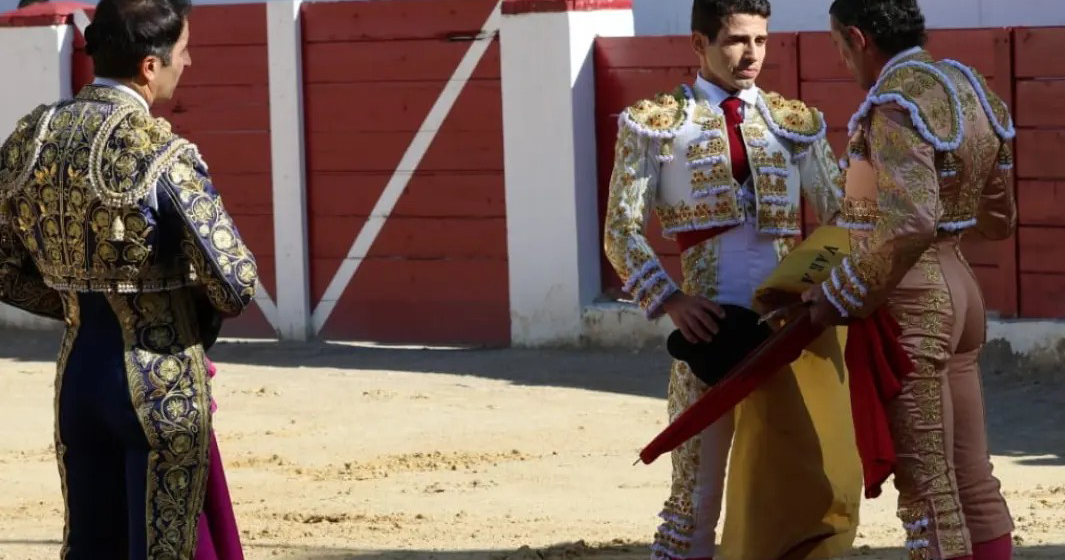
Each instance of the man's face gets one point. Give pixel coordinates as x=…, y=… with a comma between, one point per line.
x=163, y=78
x=734, y=58
x=851, y=44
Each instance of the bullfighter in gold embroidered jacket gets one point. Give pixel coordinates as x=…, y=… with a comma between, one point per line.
x=724, y=165
x=109, y=222
x=928, y=160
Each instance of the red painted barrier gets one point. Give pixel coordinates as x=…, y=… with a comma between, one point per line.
x=438, y=270
x=1040, y=83
x=222, y=105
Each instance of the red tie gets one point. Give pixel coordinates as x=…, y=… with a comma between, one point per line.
x=741, y=169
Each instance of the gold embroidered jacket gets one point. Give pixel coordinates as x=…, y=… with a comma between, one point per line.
x=929, y=156
x=98, y=196
x=672, y=155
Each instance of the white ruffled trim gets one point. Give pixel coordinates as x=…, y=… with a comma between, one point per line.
x=957, y=226
x=780, y=131
x=650, y=283
x=665, y=158
x=703, y=225
x=706, y=161
x=857, y=226
x=709, y=135
x=948, y=173
x=677, y=520
x=775, y=199
x=1005, y=166
x=667, y=531
x=759, y=143
x=799, y=156
x=917, y=543
x=851, y=298
x=919, y=524
x=646, y=269
x=915, y=111
x=783, y=232
x=711, y=191
x=835, y=303
x=1006, y=133
x=625, y=120
x=863, y=290
x=671, y=289
x=844, y=163
x=778, y=171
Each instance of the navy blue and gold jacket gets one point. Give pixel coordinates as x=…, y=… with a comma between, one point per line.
x=99, y=198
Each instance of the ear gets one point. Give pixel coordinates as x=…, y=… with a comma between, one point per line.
x=149, y=67
x=698, y=43
x=857, y=38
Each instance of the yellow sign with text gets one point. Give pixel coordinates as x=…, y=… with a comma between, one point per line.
x=810, y=263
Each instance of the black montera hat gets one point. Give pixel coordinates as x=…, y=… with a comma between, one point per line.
x=739, y=334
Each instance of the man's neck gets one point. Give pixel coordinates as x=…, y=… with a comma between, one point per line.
x=710, y=77
x=139, y=90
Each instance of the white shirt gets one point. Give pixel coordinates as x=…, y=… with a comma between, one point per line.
x=746, y=257
x=717, y=96
x=108, y=82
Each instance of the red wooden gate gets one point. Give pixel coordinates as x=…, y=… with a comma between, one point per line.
x=438, y=270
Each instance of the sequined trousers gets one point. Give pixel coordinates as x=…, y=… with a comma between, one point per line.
x=949, y=498
x=133, y=427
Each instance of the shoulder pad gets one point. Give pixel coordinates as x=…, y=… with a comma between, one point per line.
x=927, y=94
x=660, y=117
x=996, y=109
x=19, y=151
x=131, y=151
x=791, y=118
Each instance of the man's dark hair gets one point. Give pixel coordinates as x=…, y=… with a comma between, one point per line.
x=893, y=25
x=708, y=16
x=124, y=32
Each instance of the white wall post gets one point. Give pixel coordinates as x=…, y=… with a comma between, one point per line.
x=550, y=162
x=37, y=64
x=291, y=242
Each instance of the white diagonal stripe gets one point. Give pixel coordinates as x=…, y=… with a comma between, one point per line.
x=266, y=304
x=419, y=145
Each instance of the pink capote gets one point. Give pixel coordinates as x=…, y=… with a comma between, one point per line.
x=219, y=538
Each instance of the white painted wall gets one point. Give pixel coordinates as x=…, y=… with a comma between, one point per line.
x=292, y=316
x=36, y=64
x=671, y=17
x=550, y=169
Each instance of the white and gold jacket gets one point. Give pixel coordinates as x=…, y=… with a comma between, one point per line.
x=672, y=155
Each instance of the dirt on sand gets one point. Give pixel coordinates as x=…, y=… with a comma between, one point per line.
x=341, y=451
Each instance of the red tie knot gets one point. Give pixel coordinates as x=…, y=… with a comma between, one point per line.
x=731, y=107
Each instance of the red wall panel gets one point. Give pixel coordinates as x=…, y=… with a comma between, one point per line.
x=437, y=272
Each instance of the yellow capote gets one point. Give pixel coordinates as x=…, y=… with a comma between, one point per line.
x=794, y=454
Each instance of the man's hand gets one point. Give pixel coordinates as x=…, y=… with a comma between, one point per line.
x=772, y=300
x=822, y=312
x=695, y=316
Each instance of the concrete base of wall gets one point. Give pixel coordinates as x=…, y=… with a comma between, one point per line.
x=1018, y=345
x=11, y=318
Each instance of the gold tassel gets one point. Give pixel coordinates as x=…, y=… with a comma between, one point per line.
x=950, y=165
x=666, y=150
x=1005, y=156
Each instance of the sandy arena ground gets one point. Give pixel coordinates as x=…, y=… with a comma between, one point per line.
x=337, y=451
